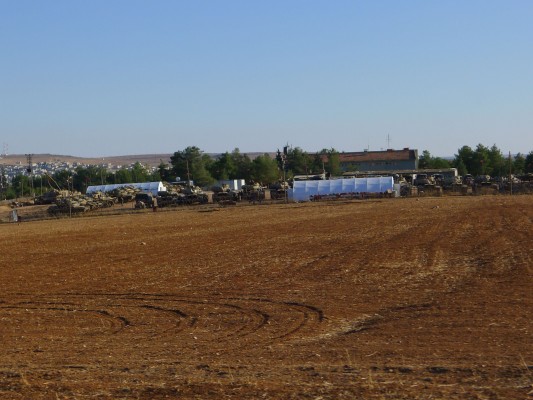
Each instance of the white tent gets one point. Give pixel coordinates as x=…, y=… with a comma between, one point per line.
x=303, y=190
x=152, y=187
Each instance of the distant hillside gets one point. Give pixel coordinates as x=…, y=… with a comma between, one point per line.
x=150, y=159
x=147, y=159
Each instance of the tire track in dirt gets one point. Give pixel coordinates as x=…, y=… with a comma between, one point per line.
x=387, y=315
x=115, y=325
x=202, y=319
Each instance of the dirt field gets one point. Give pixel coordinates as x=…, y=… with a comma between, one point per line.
x=381, y=299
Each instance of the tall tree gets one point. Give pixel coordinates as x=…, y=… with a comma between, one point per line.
x=497, y=162
x=191, y=163
x=224, y=167
x=243, y=165
x=123, y=175
x=87, y=176
x=440, y=163
x=519, y=164
x=21, y=184
x=481, y=162
x=318, y=163
x=165, y=172
x=265, y=169
x=280, y=159
x=139, y=173
x=298, y=162
x=529, y=163
x=424, y=161
x=461, y=167
x=464, y=160
x=333, y=165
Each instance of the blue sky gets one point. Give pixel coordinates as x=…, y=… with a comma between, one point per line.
x=116, y=77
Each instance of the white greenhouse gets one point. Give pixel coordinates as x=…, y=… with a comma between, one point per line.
x=304, y=190
x=152, y=187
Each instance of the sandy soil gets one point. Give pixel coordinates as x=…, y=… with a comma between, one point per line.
x=385, y=299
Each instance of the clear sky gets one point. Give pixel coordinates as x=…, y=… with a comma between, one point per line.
x=116, y=77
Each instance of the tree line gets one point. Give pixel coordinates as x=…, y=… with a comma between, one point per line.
x=204, y=170
x=192, y=163
x=480, y=161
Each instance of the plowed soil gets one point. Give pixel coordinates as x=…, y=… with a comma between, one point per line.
x=386, y=299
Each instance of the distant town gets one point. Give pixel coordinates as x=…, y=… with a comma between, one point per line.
x=13, y=166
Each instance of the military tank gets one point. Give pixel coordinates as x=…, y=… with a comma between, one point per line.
x=253, y=192
x=279, y=190
x=223, y=194
x=192, y=195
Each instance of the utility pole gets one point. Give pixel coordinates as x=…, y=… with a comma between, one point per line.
x=188, y=175
x=284, y=164
x=4, y=150
x=388, y=142
x=283, y=161
x=30, y=173
x=510, y=175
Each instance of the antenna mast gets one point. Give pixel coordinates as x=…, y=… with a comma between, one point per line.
x=4, y=150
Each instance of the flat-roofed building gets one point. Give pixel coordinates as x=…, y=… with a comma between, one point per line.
x=385, y=160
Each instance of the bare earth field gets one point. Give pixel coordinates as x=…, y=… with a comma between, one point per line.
x=378, y=299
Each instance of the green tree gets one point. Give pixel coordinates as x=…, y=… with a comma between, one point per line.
x=41, y=184
x=82, y=179
x=461, y=167
x=497, y=162
x=191, y=162
x=21, y=185
x=519, y=164
x=201, y=175
x=280, y=160
x=318, y=163
x=123, y=175
x=481, y=162
x=243, y=165
x=265, y=169
x=62, y=179
x=424, y=161
x=440, y=163
x=139, y=173
x=10, y=193
x=464, y=160
x=165, y=172
x=529, y=163
x=333, y=165
x=224, y=167
x=298, y=162
x=110, y=178
x=86, y=176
